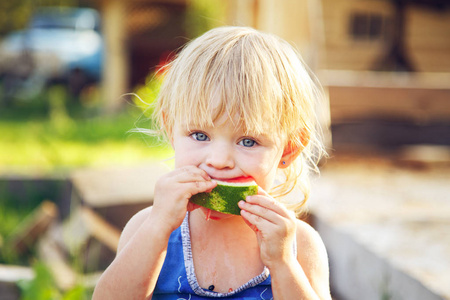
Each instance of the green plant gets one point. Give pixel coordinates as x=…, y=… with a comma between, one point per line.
x=43, y=287
x=146, y=94
x=12, y=212
x=203, y=15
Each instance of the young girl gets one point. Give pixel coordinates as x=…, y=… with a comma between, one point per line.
x=236, y=103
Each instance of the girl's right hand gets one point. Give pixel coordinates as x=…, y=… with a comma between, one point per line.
x=173, y=191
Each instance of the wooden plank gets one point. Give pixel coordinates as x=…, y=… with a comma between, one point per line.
x=101, y=230
x=90, y=237
x=117, y=185
x=34, y=226
x=85, y=223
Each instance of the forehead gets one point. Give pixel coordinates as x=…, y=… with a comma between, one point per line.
x=234, y=126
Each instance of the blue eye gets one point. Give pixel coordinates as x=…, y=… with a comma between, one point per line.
x=199, y=136
x=247, y=143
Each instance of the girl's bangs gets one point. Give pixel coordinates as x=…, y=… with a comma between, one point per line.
x=235, y=77
x=243, y=106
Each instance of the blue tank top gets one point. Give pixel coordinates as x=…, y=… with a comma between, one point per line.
x=177, y=280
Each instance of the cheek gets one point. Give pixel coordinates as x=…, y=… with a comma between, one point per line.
x=179, y=152
x=186, y=153
x=268, y=171
x=264, y=168
x=182, y=158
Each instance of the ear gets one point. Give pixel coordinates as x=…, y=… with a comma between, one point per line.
x=293, y=150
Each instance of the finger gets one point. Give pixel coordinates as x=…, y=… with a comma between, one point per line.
x=268, y=222
x=255, y=222
x=192, y=206
x=261, y=191
x=253, y=227
x=269, y=203
x=187, y=169
x=244, y=214
x=262, y=212
x=191, y=173
x=193, y=170
x=196, y=187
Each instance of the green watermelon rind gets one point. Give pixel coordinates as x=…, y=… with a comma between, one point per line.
x=224, y=197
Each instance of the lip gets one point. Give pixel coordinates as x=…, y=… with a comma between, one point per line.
x=235, y=179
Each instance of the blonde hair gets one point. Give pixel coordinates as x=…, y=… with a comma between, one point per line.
x=255, y=76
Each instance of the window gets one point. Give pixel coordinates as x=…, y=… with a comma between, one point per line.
x=368, y=26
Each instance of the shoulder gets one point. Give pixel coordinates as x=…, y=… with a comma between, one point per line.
x=312, y=256
x=307, y=235
x=132, y=226
x=310, y=244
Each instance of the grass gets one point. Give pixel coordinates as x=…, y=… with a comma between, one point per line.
x=37, y=145
x=50, y=135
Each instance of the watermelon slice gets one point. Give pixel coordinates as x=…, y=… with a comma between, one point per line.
x=225, y=196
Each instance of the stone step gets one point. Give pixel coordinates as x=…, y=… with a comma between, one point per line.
x=385, y=227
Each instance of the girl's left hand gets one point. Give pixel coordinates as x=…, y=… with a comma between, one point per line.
x=274, y=225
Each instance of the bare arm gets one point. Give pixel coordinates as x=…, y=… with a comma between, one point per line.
x=141, y=253
x=301, y=277
x=143, y=243
x=308, y=275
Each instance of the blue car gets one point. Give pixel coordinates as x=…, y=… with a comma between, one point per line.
x=59, y=45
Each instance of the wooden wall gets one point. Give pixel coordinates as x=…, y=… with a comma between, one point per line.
x=427, y=36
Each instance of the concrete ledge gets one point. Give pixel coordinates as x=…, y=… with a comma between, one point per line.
x=100, y=187
x=358, y=273
x=117, y=193
x=385, y=227
x=9, y=276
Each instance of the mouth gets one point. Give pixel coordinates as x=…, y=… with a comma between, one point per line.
x=240, y=179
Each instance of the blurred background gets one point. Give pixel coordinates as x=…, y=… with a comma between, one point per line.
x=77, y=76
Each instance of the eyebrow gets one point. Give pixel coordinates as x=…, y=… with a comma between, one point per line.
x=245, y=132
x=191, y=126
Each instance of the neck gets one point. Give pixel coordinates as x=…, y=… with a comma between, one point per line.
x=230, y=224
x=220, y=248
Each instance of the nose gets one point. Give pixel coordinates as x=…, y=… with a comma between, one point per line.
x=220, y=156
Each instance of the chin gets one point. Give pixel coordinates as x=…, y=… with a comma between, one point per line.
x=215, y=215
